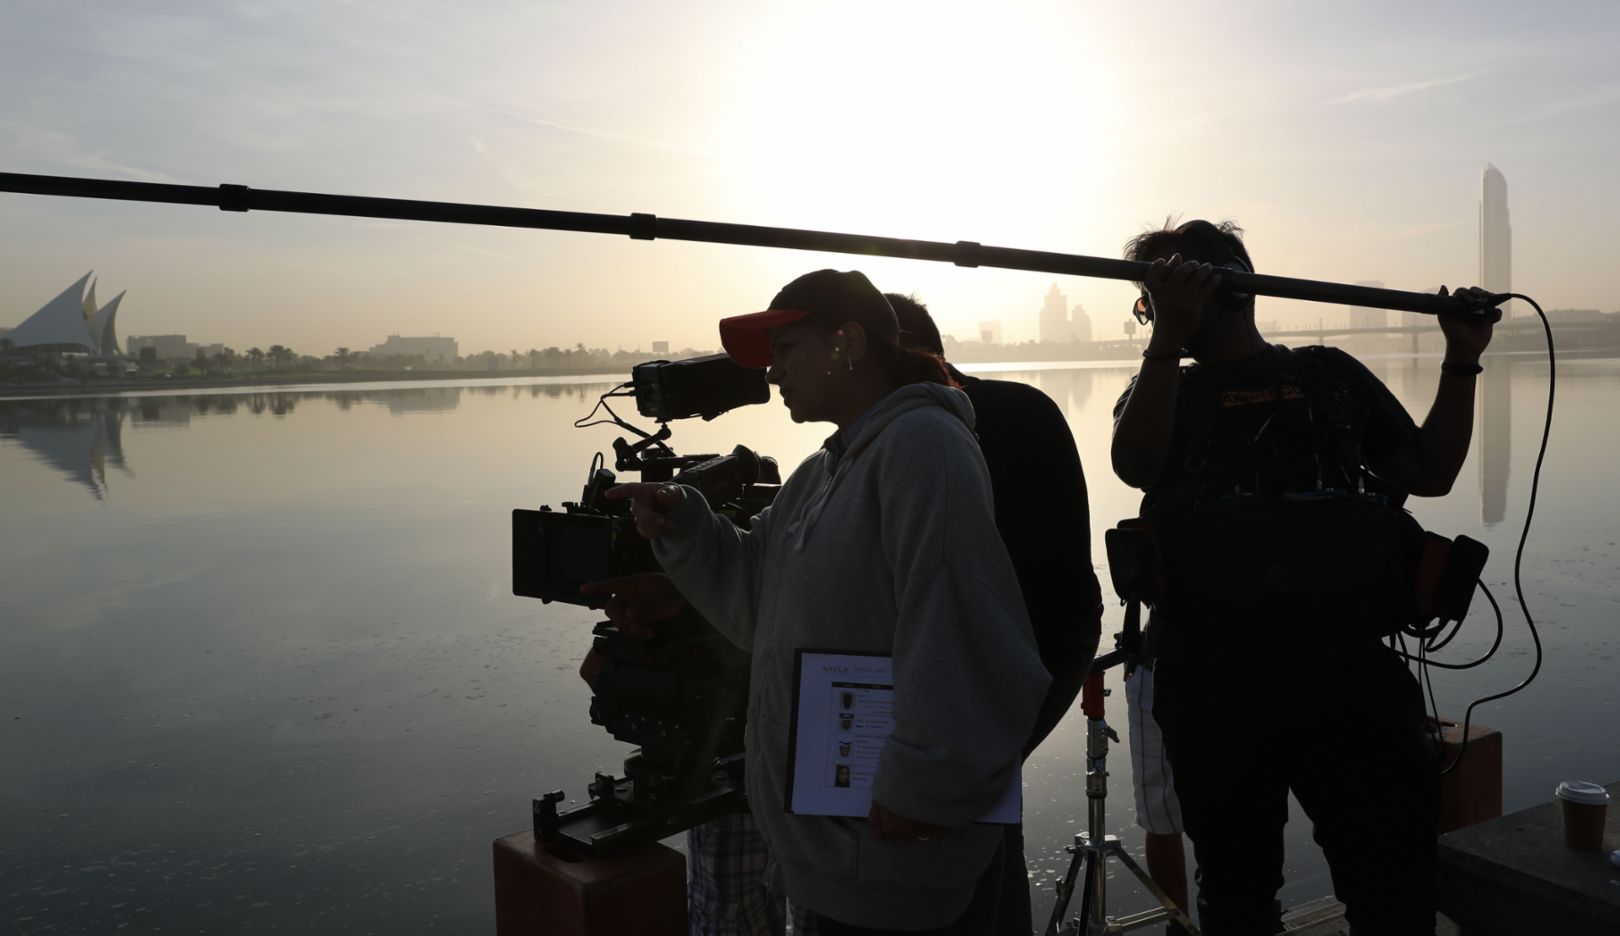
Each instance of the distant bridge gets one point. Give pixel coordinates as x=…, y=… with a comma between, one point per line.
x=1528, y=323
x=1577, y=332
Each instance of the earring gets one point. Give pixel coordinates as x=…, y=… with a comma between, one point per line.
x=851, y=362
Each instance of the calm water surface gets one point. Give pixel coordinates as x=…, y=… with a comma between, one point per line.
x=261, y=670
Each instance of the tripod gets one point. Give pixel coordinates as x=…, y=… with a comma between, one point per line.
x=1092, y=848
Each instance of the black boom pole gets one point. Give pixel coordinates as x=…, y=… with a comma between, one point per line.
x=649, y=227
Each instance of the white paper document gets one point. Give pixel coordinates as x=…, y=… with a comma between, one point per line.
x=841, y=720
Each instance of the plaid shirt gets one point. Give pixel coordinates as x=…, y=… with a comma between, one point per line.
x=725, y=886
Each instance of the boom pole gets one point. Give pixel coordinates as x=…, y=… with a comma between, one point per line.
x=638, y=226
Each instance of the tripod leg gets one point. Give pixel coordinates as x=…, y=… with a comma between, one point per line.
x=1176, y=913
x=1065, y=890
x=1092, y=867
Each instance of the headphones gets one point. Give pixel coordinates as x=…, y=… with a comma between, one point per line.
x=1229, y=300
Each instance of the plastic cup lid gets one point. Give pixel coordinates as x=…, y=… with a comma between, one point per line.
x=1579, y=791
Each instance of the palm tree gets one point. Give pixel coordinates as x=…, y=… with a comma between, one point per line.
x=256, y=355
x=278, y=355
x=344, y=356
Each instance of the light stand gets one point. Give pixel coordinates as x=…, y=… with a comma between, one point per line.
x=1093, y=847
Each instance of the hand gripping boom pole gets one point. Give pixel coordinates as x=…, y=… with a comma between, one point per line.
x=650, y=227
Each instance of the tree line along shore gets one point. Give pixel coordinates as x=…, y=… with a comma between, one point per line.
x=30, y=371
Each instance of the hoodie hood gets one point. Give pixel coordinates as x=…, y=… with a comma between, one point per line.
x=838, y=457
x=896, y=404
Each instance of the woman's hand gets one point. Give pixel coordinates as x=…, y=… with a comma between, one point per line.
x=638, y=600
x=650, y=505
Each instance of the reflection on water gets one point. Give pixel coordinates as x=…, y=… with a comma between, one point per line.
x=81, y=437
x=78, y=438
x=297, y=694
x=1495, y=441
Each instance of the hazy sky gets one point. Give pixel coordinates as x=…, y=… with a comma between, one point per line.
x=1348, y=138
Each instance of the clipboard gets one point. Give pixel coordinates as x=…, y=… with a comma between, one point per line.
x=841, y=719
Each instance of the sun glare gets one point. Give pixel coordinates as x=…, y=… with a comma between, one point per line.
x=928, y=120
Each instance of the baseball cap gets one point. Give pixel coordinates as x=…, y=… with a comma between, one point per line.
x=829, y=295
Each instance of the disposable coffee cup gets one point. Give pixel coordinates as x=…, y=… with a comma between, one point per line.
x=1585, y=807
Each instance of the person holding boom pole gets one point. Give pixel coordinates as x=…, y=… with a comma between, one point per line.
x=1274, y=479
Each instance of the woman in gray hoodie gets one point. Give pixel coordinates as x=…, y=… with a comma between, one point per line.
x=883, y=541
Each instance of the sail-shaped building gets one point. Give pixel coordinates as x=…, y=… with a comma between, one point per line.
x=71, y=322
x=103, y=327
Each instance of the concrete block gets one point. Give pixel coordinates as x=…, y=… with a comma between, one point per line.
x=1514, y=875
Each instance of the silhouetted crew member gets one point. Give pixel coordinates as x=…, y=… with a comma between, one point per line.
x=1264, y=468
x=1044, y=519
x=860, y=552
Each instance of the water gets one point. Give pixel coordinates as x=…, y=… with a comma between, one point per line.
x=261, y=670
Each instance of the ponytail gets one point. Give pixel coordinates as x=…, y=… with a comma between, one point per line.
x=905, y=366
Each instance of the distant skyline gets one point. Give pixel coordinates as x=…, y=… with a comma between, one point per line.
x=1347, y=140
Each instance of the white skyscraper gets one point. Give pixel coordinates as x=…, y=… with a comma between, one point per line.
x=1495, y=236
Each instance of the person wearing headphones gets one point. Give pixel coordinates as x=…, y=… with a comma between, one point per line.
x=1273, y=480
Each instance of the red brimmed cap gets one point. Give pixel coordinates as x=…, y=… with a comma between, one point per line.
x=825, y=294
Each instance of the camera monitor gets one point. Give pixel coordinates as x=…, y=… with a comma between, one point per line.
x=701, y=386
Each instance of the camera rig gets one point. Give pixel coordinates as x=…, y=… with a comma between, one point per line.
x=680, y=695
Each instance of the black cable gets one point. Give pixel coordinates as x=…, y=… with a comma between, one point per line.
x=1467, y=715
x=1524, y=536
x=1427, y=680
x=1438, y=642
x=1500, y=628
x=584, y=422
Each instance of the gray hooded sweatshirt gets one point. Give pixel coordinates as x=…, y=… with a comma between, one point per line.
x=886, y=546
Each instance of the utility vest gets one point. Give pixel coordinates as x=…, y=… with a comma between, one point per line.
x=1273, y=529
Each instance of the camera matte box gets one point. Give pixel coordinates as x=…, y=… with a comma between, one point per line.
x=554, y=553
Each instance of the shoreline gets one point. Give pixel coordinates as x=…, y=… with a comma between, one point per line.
x=304, y=379
x=281, y=380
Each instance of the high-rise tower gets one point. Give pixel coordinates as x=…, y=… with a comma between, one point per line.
x=1495, y=401
x=1054, y=321
x=1495, y=236
x=1079, y=323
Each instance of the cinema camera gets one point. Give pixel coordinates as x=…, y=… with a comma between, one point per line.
x=679, y=695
